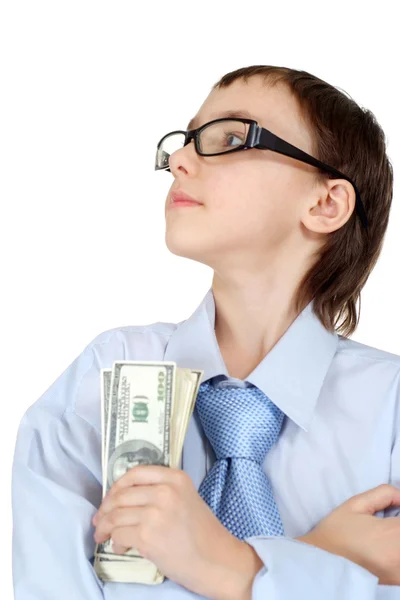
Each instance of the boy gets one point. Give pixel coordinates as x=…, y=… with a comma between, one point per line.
x=291, y=245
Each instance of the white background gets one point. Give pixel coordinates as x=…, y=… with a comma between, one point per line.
x=86, y=91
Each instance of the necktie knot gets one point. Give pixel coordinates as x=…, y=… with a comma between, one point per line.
x=239, y=422
x=242, y=424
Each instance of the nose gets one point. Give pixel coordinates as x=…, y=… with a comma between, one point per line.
x=184, y=158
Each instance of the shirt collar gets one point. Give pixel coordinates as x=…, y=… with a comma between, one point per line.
x=291, y=374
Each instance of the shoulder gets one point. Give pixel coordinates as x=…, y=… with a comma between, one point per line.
x=76, y=390
x=130, y=341
x=362, y=353
x=362, y=371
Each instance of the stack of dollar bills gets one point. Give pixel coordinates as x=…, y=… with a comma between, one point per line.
x=145, y=411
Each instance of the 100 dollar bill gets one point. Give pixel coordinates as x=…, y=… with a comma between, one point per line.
x=137, y=431
x=145, y=411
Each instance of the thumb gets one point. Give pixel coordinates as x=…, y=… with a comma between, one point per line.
x=374, y=500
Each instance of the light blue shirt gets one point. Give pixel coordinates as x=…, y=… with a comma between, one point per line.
x=340, y=437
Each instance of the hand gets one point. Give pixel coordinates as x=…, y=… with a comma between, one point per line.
x=353, y=532
x=158, y=511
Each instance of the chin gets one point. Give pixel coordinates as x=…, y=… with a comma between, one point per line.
x=185, y=247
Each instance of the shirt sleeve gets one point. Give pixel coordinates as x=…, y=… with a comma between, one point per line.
x=294, y=569
x=56, y=490
x=394, y=479
x=54, y=497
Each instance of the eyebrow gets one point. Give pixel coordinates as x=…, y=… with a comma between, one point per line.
x=224, y=114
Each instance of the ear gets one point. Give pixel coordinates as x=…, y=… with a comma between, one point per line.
x=332, y=207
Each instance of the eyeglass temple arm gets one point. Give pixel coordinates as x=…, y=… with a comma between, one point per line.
x=269, y=141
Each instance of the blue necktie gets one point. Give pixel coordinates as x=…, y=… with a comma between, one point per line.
x=242, y=425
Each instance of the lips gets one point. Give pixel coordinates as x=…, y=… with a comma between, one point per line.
x=179, y=196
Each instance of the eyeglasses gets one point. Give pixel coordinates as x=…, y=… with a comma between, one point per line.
x=231, y=135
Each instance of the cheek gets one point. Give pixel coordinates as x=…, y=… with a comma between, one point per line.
x=233, y=193
x=245, y=199
x=246, y=209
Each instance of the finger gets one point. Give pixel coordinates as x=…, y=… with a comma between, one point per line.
x=118, y=549
x=127, y=537
x=131, y=496
x=120, y=517
x=147, y=475
x=376, y=499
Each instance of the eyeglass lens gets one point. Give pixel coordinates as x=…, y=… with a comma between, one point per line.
x=214, y=139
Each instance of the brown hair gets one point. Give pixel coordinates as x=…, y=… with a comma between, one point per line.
x=348, y=138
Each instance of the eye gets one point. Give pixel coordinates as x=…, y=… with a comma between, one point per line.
x=233, y=135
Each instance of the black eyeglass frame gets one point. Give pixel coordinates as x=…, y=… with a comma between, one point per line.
x=263, y=139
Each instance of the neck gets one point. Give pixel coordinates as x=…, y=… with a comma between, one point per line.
x=250, y=320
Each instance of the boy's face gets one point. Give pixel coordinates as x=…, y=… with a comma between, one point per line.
x=254, y=201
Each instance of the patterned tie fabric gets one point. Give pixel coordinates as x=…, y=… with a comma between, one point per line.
x=242, y=425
